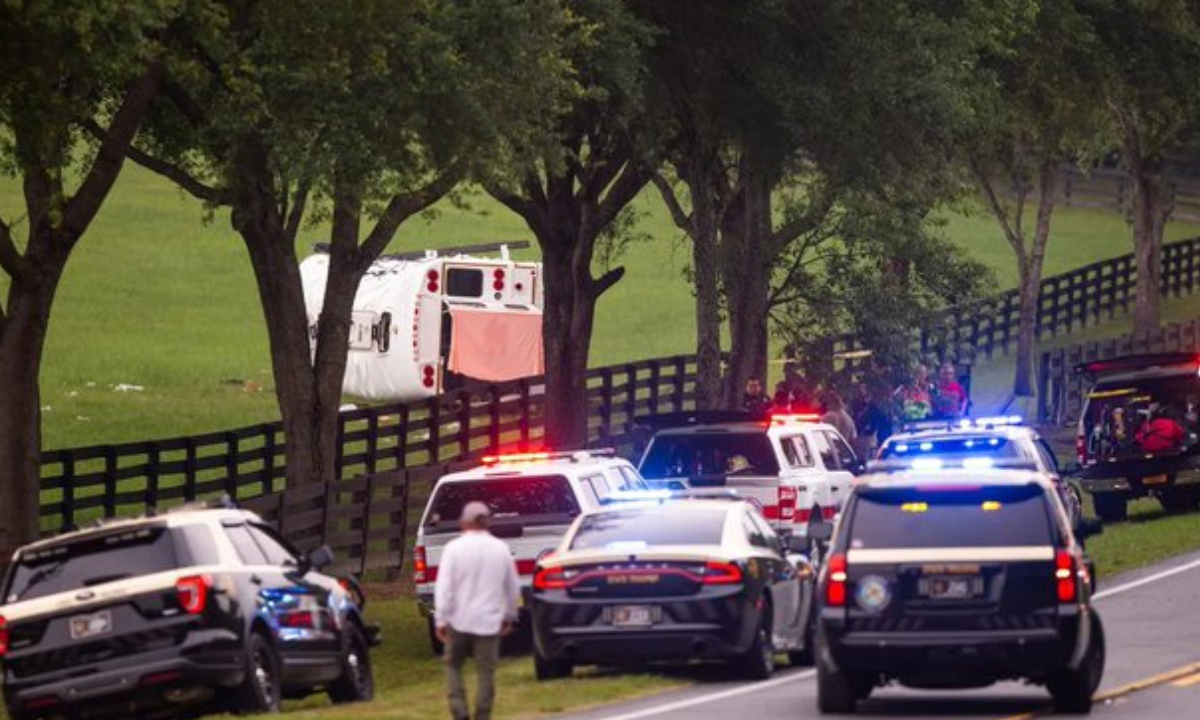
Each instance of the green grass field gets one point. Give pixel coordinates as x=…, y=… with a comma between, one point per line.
x=159, y=298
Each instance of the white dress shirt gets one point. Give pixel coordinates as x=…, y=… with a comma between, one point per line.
x=477, y=588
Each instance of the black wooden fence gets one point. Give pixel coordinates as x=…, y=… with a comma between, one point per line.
x=382, y=451
x=1072, y=300
x=1060, y=391
x=1110, y=189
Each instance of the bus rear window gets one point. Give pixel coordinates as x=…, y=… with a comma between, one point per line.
x=464, y=282
x=934, y=517
x=531, y=500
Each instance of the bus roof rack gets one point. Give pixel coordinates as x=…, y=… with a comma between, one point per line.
x=499, y=246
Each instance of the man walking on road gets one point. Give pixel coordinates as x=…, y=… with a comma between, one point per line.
x=475, y=604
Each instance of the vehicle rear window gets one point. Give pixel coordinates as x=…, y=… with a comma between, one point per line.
x=641, y=527
x=695, y=455
x=1117, y=410
x=953, y=448
x=935, y=517
x=538, y=499
x=95, y=560
x=464, y=282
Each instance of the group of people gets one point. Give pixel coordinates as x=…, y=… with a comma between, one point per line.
x=872, y=413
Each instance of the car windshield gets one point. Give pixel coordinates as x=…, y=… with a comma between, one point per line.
x=637, y=528
x=700, y=454
x=92, y=561
x=934, y=516
x=1135, y=417
x=536, y=499
x=951, y=448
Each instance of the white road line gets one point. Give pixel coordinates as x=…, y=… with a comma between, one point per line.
x=712, y=697
x=1146, y=580
x=807, y=674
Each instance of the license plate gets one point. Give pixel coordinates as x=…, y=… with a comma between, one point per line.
x=951, y=588
x=633, y=615
x=1154, y=480
x=86, y=626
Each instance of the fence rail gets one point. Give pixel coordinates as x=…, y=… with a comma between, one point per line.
x=381, y=442
x=1060, y=391
x=1079, y=298
x=1109, y=189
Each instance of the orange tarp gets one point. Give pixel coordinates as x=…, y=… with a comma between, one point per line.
x=495, y=346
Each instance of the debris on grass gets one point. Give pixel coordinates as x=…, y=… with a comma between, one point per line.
x=126, y=387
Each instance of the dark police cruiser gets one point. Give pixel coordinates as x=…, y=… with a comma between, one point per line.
x=672, y=580
x=957, y=579
x=136, y=616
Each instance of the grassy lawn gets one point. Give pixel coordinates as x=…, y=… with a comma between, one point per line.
x=159, y=298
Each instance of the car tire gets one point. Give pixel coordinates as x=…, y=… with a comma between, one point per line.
x=260, y=690
x=546, y=669
x=805, y=656
x=357, y=682
x=1072, y=690
x=436, y=645
x=1110, y=507
x=758, y=662
x=835, y=693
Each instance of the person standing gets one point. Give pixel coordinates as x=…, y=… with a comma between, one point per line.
x=913, y=399
x=949, y=397
x=475, y=604
x=754, y=400
x=836, y=415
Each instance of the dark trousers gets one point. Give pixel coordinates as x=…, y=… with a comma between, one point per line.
x=485, y=649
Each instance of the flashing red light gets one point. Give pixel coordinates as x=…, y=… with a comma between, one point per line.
x=516, y=458
x=835, y=586
x=787, y=503
x=791, y=418
x=420, y=567
x=192, y=592
x=3, y=636
x=1064, y=576
x=722, y=573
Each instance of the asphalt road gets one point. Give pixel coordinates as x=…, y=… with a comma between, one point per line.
x=1152, y=623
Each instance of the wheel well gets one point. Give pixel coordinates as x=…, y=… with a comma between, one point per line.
x=260, y=627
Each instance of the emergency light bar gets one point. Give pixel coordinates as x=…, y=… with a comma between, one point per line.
x=1133, y=363
x=621, y=496
x=949, y=463
x=794, y=418
x=535, y=457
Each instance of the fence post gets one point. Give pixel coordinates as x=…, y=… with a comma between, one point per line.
x=680, y=382
x=464, y=424
x=151, y=492
x=630, y=397
x=68, y=492
x=435, y=428
x=269, y=450
x=655, y=381
x=372, y=441
x=606, y=399
x=110, y=482
x=189, y=469
x=523, y=421
x=494, y=395
x=1043, y=386
x=231, y=465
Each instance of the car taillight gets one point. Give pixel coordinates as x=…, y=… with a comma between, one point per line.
x=192, y=592
x=549, y=579
x=3, y=636
x=722, y=573
x=420, y=568
x=787, y=503
x=1065, y=576
x=298, y=620
x=835, y=584
x=1081, y=447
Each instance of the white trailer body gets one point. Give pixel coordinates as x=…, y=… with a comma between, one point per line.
x=404, y=322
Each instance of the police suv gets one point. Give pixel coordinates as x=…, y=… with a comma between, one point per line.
x=534, y=497
x=155, y=613
x=956, y=579
x=798, y=469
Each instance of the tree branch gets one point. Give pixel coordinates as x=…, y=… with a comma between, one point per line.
x=81, y=209
x=16, y=265
x=997, y=208
x=402, y=207
x=682, y=220
x=187, y=182
x=607, y=280
x=296, y=215
x=632, y=178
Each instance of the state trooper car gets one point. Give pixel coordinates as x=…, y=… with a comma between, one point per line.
x=957, y=578
x=137, y=616
x=534, y=497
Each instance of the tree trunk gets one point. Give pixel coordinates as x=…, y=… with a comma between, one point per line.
x=1149, y=201
x=699, y=177
x=1030, y=273
x=747, y=279
x=22, y=340
x=570, y=310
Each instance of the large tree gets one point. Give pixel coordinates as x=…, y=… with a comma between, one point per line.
x=62, y=66
x=1042, y=112
x=357, y=114
x=571, y=194
x=1148, y=56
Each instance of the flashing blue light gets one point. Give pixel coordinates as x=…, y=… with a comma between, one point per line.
x=999, y=420
x=970, y=443
x=636, y=496
x=926, y=446
x=927, y=464
x=902, y=448
x=994, y=442
x=977, y=463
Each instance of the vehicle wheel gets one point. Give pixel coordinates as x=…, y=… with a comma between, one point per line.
x=805, y=656
x=1179, y=499
x=547, y=669
x=835, y=694
x=759, y=661
x=1072, y=690
x=1110, y=507
x=357, y=683
x=438, y=646
x=260, y=690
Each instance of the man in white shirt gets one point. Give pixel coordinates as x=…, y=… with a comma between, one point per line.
x=475, y=604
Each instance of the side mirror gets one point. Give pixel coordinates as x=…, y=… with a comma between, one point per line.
x=1088, y=527
x=820, y=531
x=322, y=557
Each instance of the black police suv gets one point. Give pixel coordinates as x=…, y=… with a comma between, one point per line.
x=139, y=616
x=956, y=579
x=672, y=580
